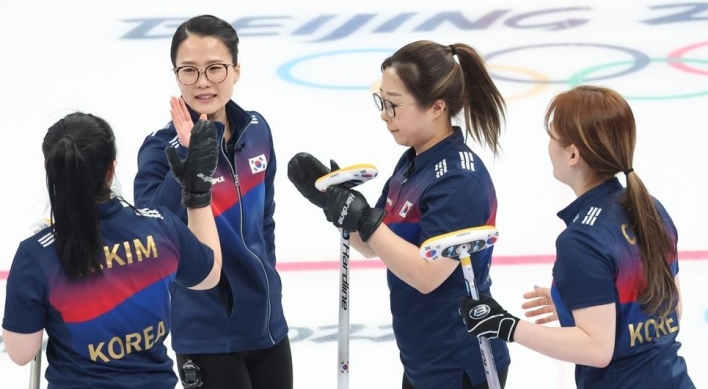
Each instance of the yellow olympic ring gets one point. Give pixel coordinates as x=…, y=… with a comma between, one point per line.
x=537, y=88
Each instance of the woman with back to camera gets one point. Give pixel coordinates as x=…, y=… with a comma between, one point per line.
x=615, y=285
x=233, y=336
x=97, y=278
x=439, y=185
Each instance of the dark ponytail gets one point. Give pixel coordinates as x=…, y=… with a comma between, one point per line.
x=79, y=151
x=430, y=73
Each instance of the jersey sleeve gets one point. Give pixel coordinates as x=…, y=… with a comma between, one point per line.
x=195, y=258
x=154, y=184
x=583, y=273
x=456, y=201
x=25, y=297
x=381, y=202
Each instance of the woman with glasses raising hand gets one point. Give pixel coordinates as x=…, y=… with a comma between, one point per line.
x=234, y=335
x=439, y=185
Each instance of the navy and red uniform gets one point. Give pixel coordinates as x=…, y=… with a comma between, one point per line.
x=107, y=330
x=444, y=189
x=245, y=312
x=598, y=263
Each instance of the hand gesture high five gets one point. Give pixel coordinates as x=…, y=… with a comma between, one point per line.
x=195, y=172
x=182, y=120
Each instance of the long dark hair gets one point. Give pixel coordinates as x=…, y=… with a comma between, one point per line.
x=79, y=151
x=430, y=73
x=600, y=123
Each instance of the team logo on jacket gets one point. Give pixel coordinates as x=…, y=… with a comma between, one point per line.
x=258, y=164
x=592, y=215
x=440, y=168
x=46, y=240
x=148, y=213
x=406, y=207
x=467, y=160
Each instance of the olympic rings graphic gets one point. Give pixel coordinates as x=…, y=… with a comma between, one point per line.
x=285, y=71
x=578, y=78
x=641, y=60
x=538, y=81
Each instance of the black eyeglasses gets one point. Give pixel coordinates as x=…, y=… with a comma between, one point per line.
x=389, y=106
x=189, y=75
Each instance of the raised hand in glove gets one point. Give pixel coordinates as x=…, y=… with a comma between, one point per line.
x=303, y=171
x=485, y=318
x=348, y=209
x=195, y=172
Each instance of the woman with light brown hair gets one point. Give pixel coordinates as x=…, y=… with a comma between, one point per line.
x=615, y=279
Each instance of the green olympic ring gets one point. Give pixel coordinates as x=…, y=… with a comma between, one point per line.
x=579, y=78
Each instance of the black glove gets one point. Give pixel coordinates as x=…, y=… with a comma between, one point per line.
x=303, y=171
x=195, y=172
x=487, y=319
x=348, y=209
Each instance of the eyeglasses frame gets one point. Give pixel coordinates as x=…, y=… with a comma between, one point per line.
x=377, y=98
x=202, y=71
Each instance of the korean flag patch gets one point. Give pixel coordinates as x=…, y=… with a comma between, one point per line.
x=258, y=164
x=404, y=210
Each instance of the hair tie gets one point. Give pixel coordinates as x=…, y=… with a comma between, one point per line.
x=626, y=172
x=454, y=51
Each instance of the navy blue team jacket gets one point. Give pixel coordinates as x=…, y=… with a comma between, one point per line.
x=444, y=189
x=249, y=314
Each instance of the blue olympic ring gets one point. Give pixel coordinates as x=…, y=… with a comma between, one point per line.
x=285, y=71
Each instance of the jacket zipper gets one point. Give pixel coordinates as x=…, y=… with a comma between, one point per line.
x=234, y=173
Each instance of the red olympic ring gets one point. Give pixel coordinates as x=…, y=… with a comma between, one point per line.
x=678, y=53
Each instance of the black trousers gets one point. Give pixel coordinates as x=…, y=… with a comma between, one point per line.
x=270, y=368
x=466, y=383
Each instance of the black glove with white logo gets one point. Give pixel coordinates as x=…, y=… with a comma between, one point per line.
x=485, y=318
x=348, y=209
x=195, y=173
x=303, y=171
